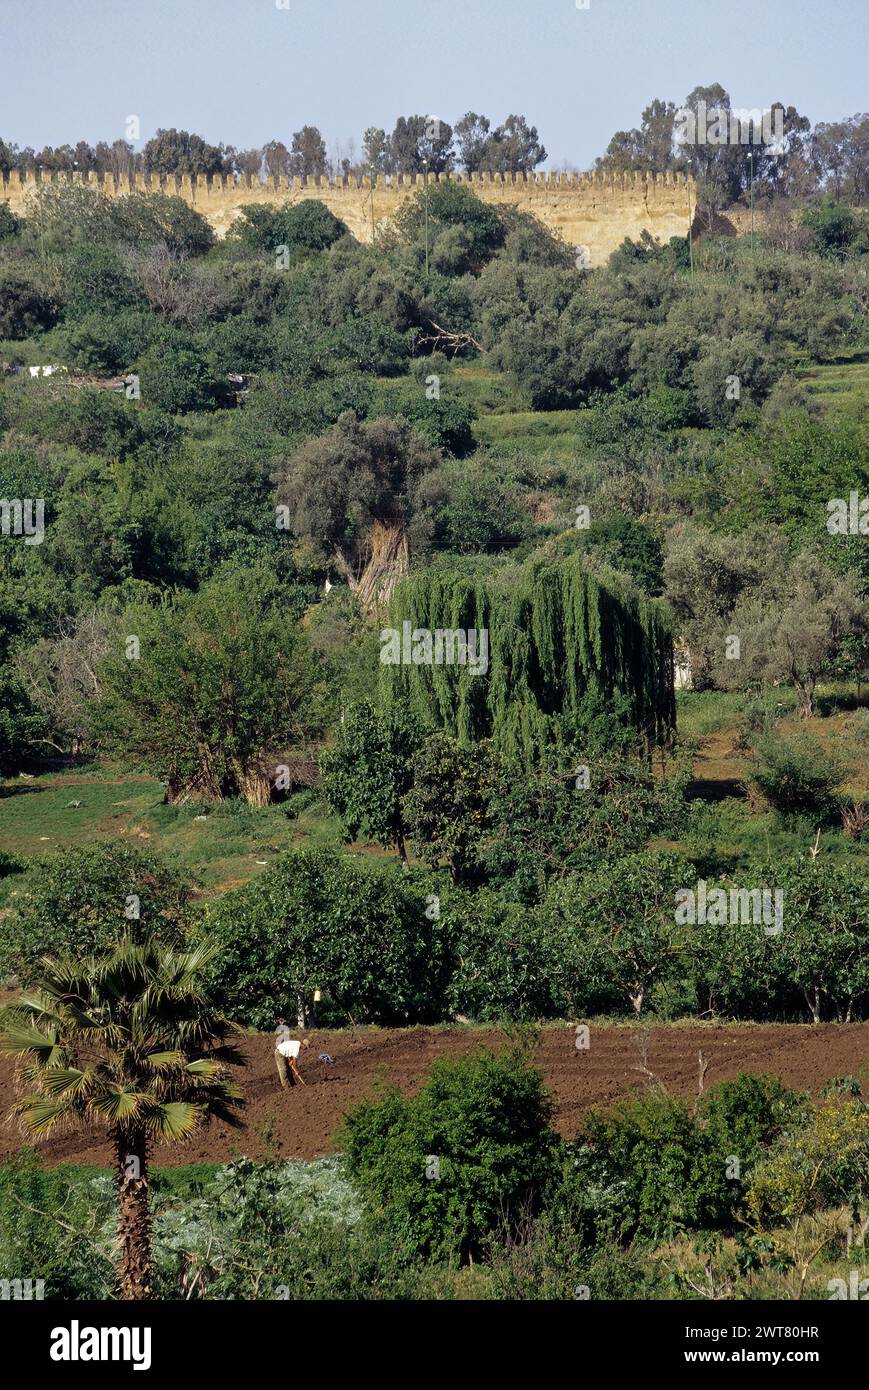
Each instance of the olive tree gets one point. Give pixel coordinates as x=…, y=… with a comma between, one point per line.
x=793, y=627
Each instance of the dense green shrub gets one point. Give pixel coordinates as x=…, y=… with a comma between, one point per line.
x=176, y=380
x=107, y=344
x=22, y=725
x=795, y=776
x=445, y=420
x=81, y=901
x=837, y=231
x=25, y=306
x=466, y=1158
x=64, y=215
x=630, y=546
x=307, y=226
x=10, y=224
x=51, y=1229
x=96, y=281
x=652, y=1166
x=642, y=1164
x=472, y=511
x=471, y=229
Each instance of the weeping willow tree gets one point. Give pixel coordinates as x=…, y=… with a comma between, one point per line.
x=554, y=634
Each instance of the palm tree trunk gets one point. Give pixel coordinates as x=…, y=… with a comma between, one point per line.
x=134, y=1216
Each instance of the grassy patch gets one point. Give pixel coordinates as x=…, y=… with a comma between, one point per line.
x=220, y=846
x=841, y=385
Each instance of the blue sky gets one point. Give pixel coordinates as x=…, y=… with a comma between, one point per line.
x=244, y=71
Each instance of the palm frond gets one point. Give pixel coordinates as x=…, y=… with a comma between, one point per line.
x=65, y=1081
x=118, y=1105
x=205, y=1067
x=174, y=1120
x=40, y=1115
x=162, y=1061
x=20, y=1040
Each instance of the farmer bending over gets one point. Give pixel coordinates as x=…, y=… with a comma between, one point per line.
x=287, y=1051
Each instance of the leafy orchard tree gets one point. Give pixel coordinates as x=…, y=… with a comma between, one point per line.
x=84, y=900
x=824, y=942
x=738, y=970
x=818, y=958
x=96, y=280
x=744, y=1116
x=617, y=927
x=132, y=1044
x=517, y=824
x=369, y=769
x=208, y=692
x=504, y=964
x=576, y=806
x=745, y=356
x=445, y=808
x=468, y=1158
x=319, y=920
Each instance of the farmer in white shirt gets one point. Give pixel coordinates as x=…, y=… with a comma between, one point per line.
x=287, y=1051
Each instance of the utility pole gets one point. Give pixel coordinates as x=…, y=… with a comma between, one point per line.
x=751, y=195
x=371, y=187
x=690, y=243
x=425, y=180
x=41, y=222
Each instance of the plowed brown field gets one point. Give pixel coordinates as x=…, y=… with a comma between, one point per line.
x=301, y=1122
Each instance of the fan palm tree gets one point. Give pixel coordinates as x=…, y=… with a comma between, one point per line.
x=130, y=1042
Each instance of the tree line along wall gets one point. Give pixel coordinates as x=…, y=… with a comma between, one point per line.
x=590, y=210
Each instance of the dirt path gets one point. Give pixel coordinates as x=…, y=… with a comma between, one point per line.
x=303, y=1121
